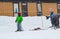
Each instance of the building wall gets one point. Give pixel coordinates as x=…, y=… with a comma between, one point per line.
x=47, y=6
x=6, y=9
x=20, y=7
x=58, y=10
x=32, y=9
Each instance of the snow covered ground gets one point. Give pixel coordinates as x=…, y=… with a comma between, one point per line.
x=8, y=27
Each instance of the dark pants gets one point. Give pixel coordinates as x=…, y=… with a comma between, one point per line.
x=55, y=22
x=19, y=28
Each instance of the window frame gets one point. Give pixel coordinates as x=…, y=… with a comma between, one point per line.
x=13, y=7
x=39, y=12
x=25, y=12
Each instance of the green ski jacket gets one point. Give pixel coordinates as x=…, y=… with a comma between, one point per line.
x=19, y=19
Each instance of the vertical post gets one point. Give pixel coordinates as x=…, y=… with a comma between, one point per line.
x=42, y=21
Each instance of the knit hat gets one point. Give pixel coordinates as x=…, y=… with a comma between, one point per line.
x=19, y=13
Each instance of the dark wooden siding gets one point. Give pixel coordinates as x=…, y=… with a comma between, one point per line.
x=58, y=10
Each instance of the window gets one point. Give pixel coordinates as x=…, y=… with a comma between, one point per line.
x=15, y=7
x=24, y=9
x=39, y=9
x=58, y=6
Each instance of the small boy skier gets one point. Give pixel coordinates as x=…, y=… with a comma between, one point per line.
x=19, y=20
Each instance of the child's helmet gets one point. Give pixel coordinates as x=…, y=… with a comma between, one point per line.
x=19, y=13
